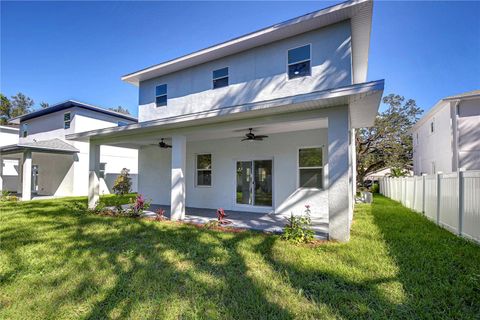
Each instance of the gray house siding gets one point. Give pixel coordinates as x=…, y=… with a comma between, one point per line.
x=254, y=75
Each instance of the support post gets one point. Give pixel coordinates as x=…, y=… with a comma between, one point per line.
x=177, y=200
x=27, y=176
x=461, y=201
x=439, y=202
x=423, y=193
x=93, y=175
x=338, y=175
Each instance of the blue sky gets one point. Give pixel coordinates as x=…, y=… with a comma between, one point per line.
x=54, y=51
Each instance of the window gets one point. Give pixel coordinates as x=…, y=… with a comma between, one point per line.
x=66, y=120
x=310, y=168
x=220, y=78
x=432, y=126
x=24, y=131
x=161, y=95
x=204, y=170
x=299, y=62
x=122, y=124
x=101, y=170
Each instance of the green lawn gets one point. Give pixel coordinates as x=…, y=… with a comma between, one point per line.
x=58, y=263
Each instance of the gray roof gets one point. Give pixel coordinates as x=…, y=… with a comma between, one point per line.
x=52, y=146
x=70, y=104
x=464, y=95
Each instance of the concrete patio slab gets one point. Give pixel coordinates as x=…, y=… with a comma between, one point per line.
x=241, y=219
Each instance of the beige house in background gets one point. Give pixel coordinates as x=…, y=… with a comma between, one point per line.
x=447, y=138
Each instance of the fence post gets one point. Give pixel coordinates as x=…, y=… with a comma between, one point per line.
x=461, y=201
x=439, y=177
x=423, y=193
x=414, y=199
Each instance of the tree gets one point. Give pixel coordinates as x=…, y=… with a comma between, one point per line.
x=44, y=105
x=5, y=110
x=18, y=105
x=388, y=144
x=123, y=182
x=120, y=109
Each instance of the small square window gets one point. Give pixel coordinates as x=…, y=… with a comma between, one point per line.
x=220, y=78
x=24, y=131
x=161, y=95
x=299, y=63
x=204, y=170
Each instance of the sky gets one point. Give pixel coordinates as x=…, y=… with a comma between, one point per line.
x=55, y=51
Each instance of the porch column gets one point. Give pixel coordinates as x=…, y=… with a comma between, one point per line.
x=27, y=175
x=339, y=193
x=177, y=200
x=93, y=175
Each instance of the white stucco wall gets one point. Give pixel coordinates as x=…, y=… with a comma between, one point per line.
x=469, y=134
x=155, y=173
x=254, y=75
x=9, y=180
x=434, y=147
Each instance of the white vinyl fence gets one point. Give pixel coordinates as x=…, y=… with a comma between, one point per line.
x=450, y=200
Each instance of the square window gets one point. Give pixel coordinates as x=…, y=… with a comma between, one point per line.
x=310, y=157
x=66, y=125
x=220, y=78
x=161, y=101
x=299, y=62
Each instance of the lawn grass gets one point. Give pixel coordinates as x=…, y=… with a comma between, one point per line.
x=58, y=263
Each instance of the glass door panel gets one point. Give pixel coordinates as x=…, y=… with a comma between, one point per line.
x=244, y=181
x=262, y=184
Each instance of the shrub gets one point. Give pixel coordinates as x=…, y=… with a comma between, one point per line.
x=6, y=196
x=160, y=215
x=138, y=206
x=298, y=229
x=123, y=183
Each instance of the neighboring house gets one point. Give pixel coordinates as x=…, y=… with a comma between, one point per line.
x=9, y=135
x=301, y=84
x=377, y=175
x=51, y=166
x=447, y=138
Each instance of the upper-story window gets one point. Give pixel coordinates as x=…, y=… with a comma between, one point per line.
x=67, y=118
x=161, y=95
x=432, y=126
x=299, y=62
x=220, y=78
x=24, y=131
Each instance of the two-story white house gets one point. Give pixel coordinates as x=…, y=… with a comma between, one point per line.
x=48, y=165
x=447, y=138
x=262, y=123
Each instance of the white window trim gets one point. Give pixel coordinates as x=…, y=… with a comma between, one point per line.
x=197, y=170
x=227, y=76
x=289, y=64
x=161, y=95
x=65, y=121
x=322, y=147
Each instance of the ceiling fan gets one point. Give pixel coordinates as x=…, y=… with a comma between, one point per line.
x=250, y=136
x=163, y=144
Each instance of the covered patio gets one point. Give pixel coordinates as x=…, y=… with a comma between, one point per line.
x=169, y=150
x=29, y=155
